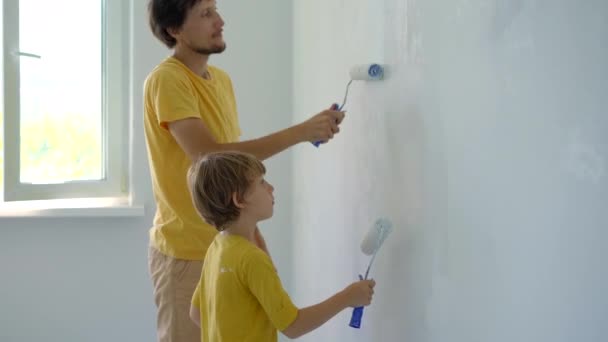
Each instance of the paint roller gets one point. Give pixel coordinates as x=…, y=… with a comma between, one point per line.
x=360, y=72
x=370, y=245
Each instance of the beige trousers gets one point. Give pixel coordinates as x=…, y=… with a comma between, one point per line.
x=174, y=281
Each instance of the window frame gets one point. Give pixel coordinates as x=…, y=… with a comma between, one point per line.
x=115, y=80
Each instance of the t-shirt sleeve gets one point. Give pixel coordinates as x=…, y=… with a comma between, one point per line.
x=196, y=297
x=264, y=283
x=173, y=98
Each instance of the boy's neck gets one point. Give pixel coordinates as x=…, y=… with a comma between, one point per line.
x=243, y=227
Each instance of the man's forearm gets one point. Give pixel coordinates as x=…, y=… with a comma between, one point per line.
x=267, y=146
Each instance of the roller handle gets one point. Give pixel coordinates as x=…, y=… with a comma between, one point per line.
x=334, y=106
x=355, y=319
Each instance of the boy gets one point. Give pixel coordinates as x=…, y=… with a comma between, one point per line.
x=239, y=296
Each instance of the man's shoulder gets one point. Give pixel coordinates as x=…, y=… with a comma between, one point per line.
x=168, y=69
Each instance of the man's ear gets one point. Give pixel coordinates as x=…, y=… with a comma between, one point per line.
x=235, y=199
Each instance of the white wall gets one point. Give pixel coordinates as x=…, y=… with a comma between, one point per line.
x=73, y=279
x=486, y=145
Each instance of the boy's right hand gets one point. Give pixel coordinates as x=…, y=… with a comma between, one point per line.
x=359, y=293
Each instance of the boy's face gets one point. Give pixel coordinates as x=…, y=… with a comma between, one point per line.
x=259, y=199
x=202, y=29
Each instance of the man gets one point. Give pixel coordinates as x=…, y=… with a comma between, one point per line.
x=189, y=111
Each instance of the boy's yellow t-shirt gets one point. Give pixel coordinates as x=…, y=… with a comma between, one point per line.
x=173, y=92
x=240, y=296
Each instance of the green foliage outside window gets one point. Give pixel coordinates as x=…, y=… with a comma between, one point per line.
x=57, y=150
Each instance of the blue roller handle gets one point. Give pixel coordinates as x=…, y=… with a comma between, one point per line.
x=334, y=106
x=355, y=319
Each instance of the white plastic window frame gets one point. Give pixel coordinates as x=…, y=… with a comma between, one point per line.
x=114, y=183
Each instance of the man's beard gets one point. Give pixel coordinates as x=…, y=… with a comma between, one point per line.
x=211, y=51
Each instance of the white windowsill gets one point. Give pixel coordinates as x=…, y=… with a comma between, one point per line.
x=75, y=207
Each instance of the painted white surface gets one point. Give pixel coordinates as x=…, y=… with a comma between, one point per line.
x=86, y=279
x=487, y=146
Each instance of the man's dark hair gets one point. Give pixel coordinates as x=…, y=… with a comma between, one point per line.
x=168, y=14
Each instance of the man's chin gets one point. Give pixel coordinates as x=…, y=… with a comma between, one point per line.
x=220, y=48
x=213, y=50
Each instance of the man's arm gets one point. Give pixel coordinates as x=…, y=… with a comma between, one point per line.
x=195, y=139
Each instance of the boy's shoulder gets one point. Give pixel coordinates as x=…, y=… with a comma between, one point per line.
x=253, y=254
x=242, y=251
x=236, y=246
x=255, y=260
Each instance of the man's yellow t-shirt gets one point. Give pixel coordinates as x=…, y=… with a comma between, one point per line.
x=173, y=92
x=240, y=296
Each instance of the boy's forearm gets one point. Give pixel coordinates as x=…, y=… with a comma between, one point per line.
x=314, y=316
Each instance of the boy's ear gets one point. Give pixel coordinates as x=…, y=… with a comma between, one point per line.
x=173, y=32
x=236, y=201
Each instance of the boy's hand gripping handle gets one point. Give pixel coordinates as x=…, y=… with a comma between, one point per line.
x=355, y=319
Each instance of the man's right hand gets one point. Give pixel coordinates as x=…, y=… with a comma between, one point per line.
x=321, y=127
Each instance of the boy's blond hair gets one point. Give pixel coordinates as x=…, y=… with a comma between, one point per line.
x=215, y=177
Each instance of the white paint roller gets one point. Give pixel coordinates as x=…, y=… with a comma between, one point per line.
x=375, y=236
x=362, y=72
x=359, y=72
x=366, y=72
x=370, y=245
x=374, y=239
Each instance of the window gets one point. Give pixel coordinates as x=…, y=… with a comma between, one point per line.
x=64, y=108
